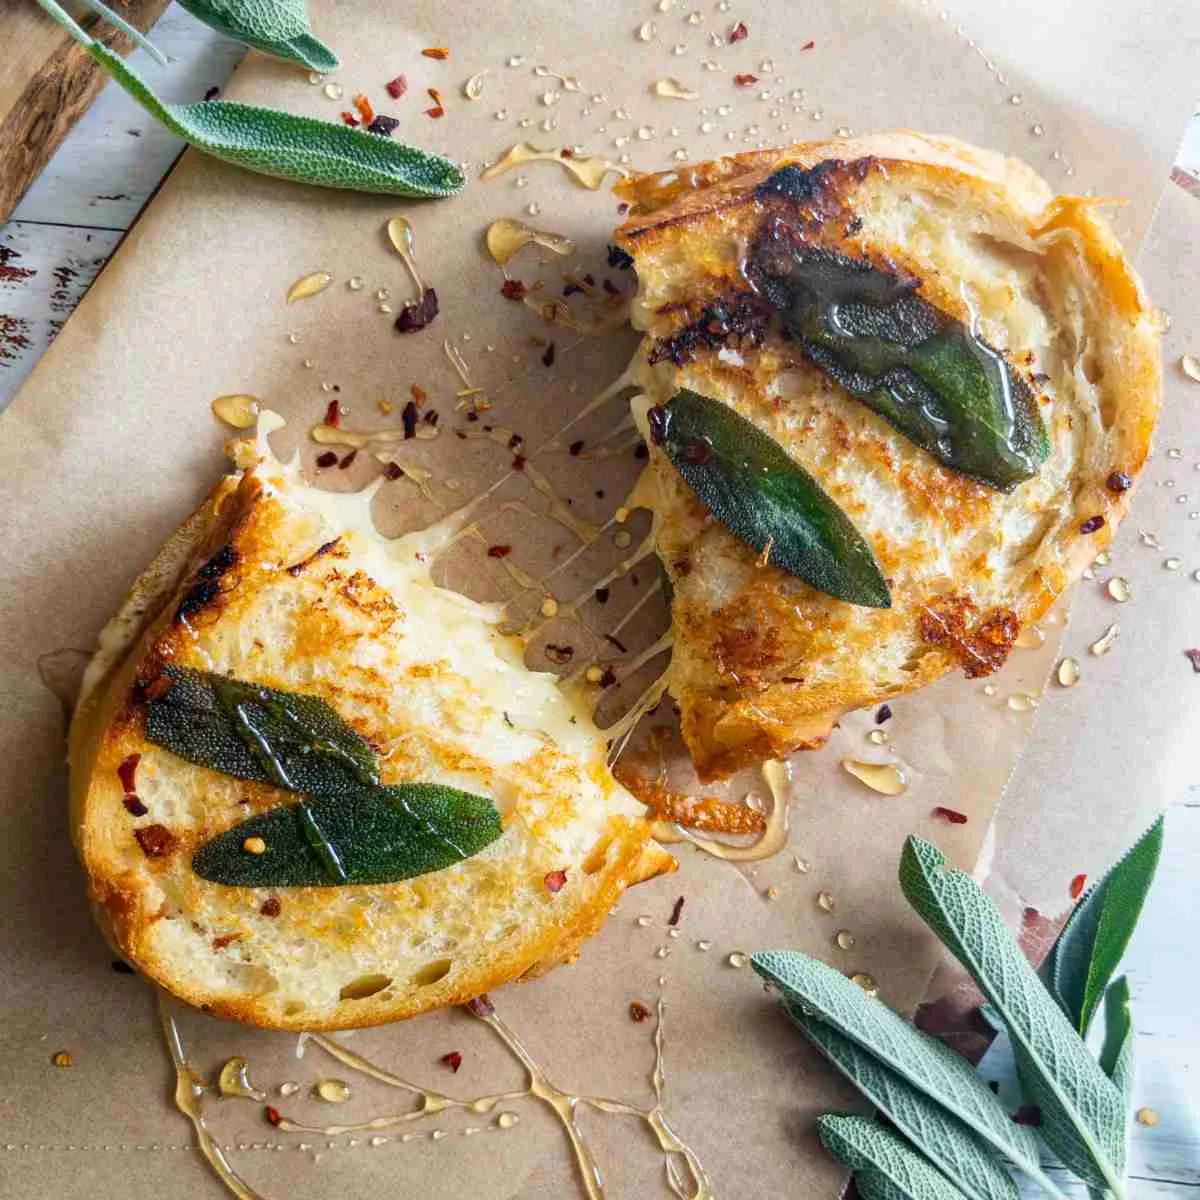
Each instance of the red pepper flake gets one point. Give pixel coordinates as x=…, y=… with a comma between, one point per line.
x=1119, y=482
x=416, y=314
x=347, y=460
x=409, y=419
x=1077, y=886
x=953, y=816
x=575, y=448
x=348, y=118
x=333, y=414
x=396, y=87
x=548, y=356
x=611, y=288
x=808, y=45
x=745, y=80
x=1028, y=1114
x=559, y=654
x=436, y=112
x=156, y=689
x=363, y=105
x=555, y=881
x=1193, y=656
x=431, y=417
x=602, y=595
x=327, y=459
x=419, y=394
x=566, y=152
x=383, y=124
x=438, y=52
x=638, y=1011
x=393, y=471
x=513, y=289
x=481, y=1006
x=156, y=841
x=608, y=678
x=453, y=1060
x=273, y=1115
x=676, y=912
x=515, y=441
x=435, y=96
x=518, y=462
x=271, y=907
x=739, y=33
x=499, y=551
x=127, y=773
x=883, y=714
x=133, y=805
x=1091, y=524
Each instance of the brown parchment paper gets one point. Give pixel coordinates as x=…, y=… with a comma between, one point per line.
x=112, y=443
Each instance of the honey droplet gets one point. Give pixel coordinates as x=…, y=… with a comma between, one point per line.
x=1190, y=366
x=885, y=778
x=801, y=864
x=646, y=31
x=333, y=1091
x=737, y=960
x=877, y=737
x=506, y=236
x=844, y=939
x=288, y=1088
x=1022, y=702
x=1149, y=539
x=400, y=234
x=63, y=1059
x=355, y=283
x=622, y=539
x=333, y=91
x=704, y=945
x=1068, y=672
x=662, y=951
x=866, y=982
x=1102, y=559
x=772, y=893
x=672, y=89
x=549, y=607
x=825, y=901
x=309, y=285
x=989, y=689
x=1147, y=1116
x=234, y=1080
x=1030, y=637
x=506, y=1120
x=642, y=921
x=254, y=845
x=239, y=411
x=1104, y=643
x=1172, y=564
x=473, y=88
x=1118, y=589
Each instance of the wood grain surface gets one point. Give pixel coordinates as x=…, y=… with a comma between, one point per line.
x=47, y=82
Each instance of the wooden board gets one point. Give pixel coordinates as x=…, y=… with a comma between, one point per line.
x=47, y=82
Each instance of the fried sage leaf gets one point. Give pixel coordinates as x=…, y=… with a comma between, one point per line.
x=766, y=499
x=276, y=27
x=287, y=739
x=378, y=835
x=1089, y=949
x=936, y=380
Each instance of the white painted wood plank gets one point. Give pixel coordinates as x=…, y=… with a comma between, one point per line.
x=114, y=158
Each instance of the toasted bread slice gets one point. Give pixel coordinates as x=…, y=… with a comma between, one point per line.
x=278, y=583
x=763, y=664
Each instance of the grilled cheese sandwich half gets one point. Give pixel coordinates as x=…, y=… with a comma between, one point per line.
x=763, y=663
x=276, y=584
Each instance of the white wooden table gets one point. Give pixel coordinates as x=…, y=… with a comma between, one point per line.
x=73, y=218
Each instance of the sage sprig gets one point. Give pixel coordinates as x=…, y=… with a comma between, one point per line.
x=950, y=1136
x=346, y=828
x=1086, y=954
x=276, y=27
x=280, y=144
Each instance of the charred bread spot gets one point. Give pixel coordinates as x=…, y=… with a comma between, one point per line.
x=739, y=321
x=981, y=647
x=156, y=841
x=320, y=552
x=208, y=585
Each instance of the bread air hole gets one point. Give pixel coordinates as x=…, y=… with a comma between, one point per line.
x=253, y=979
x=432, y=972
x=364, y=986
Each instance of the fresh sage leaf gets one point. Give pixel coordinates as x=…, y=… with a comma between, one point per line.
x=766, y=499
x=950, y=1144
x=1089, y=949
x=865, y=1146
x=933, y=378
x=379, y=835
x=276, y=27
x=279, y=144
x=923, y=1062
x=1116, y=1055
x=285, y=739
x=1083, y=1118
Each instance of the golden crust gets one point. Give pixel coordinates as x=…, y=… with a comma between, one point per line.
x=762, y=664
x=220, y=596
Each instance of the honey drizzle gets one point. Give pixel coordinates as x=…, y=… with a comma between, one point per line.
x=588, y=170
x=776, y=775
